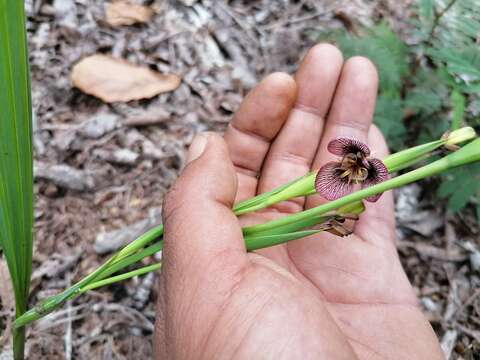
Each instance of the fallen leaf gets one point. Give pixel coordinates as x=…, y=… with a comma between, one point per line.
x=120, y=13
x=114, y=80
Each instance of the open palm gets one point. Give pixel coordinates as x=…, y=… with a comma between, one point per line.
x=318, y=297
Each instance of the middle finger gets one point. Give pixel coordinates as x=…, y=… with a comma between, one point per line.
x=292, y=152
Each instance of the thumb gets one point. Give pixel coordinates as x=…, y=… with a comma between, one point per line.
x=200, y=227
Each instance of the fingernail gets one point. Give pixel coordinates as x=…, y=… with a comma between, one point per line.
x=197, y=147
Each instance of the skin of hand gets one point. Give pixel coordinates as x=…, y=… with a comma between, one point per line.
x=321, y=297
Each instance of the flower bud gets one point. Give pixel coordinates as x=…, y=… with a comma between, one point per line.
x=460, y=135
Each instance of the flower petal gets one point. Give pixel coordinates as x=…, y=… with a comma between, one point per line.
x=343, y=145
x=329, y=184
x=377, y=173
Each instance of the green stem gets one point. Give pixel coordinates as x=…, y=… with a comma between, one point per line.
x=132, y=259
x=19, y=343
x=19, y=334
x=251, y=243
x=305, y=185
x=467, y=154
x=120, y=277
x=293, y=189
x=52, y=303
x=411, y=156
x=438, y=17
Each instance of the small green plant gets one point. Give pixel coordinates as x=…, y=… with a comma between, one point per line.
x=16, y=166
x=326, y=217
x=429, y=78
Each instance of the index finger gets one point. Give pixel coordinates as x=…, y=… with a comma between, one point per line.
x=256, y=123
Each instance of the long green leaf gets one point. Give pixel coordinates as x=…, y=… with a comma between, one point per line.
x=16, y=167
x=121, y=277
x=262, y=241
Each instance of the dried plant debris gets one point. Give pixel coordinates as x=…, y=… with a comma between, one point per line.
x=118, y=13
x=112, y=240
x=55, y=265
x=64, y=176
x=6, y=353
x=99, y=125
x=7, y=303
x=112, y=79
x=117, y=156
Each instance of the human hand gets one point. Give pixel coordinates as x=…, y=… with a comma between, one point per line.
x=318, y=297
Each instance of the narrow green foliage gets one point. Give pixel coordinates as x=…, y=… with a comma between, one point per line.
x=130, y=254
x=16, y=166
x=121, y=277
x=297, y=187
x=263, y=241
x=252, y=231
x=132, y=259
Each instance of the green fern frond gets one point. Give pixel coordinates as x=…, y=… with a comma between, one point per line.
x=384, y=48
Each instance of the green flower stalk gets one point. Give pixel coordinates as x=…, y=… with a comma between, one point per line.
x=467, y=154
x=278, y=231
x=305, y=185
x=411, y=156
x=298, y=187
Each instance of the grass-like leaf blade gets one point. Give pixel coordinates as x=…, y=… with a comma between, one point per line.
x=16, y=168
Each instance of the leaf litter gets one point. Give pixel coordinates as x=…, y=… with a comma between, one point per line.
x=113, y=80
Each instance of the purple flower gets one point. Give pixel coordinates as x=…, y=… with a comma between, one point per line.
x=337, y=178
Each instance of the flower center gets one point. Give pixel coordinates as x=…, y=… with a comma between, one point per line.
x=352, y=167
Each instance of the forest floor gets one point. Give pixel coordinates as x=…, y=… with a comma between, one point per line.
x=102, y=169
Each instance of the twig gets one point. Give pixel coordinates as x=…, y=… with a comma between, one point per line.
x=296, y=20
x=469, y=301
x=61, y=317
x=448, y=342
x=137, y=317
x=472, y=333
x=240, y=23
x=438, y=17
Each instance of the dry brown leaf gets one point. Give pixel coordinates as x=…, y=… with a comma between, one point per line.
x=120, y=13
x=114, y=80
